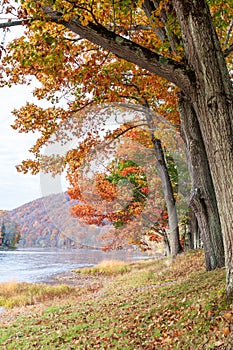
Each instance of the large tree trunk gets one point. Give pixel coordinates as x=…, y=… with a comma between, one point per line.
x=175, y=245
x=212, y=101
x=203, y=200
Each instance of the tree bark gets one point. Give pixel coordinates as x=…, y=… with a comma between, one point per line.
x=213, y=104
x=203, y=201
x=174, y=238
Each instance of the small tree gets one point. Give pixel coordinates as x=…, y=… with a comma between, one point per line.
x=10, y=234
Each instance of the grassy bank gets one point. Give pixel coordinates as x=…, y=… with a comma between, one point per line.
x=145, y=305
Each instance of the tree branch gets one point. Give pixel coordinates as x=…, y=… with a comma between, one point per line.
x=145, y=110
x=13, y=23
x=228, y=51
x=166, y=68
x=229, y=32
x=150, y=6
x=125, y=131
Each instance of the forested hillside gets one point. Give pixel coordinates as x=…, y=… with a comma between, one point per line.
x=46, y=222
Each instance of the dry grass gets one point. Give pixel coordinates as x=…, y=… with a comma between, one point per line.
x=111, y=263
x=106, y=267
x=116, y=267
x=14, y=294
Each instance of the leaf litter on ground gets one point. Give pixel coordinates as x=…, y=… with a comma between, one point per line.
x=158, y=304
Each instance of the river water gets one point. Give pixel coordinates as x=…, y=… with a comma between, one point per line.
x=40, y=265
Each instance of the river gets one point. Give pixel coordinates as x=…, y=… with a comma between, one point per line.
x=41, y=265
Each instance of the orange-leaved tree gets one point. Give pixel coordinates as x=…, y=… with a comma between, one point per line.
x=120, y=193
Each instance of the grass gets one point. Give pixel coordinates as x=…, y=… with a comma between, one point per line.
x=106, y=267
x=148, y=305
x=13, y=294
x=113, y=267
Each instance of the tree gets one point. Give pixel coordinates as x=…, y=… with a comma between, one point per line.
x=150, y=142
x=10, y=234
x=136, y=159
x=191, y=58
x=203, y=200
x=44, y=56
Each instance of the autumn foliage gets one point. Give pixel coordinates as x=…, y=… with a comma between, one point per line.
x=83, y=74
x=126, y=194
x=125, y=174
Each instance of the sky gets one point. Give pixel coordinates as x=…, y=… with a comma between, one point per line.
x=17, y=188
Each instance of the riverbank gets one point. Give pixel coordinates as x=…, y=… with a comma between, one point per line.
x=21, y=299
x=145, y=305
x=36, y=265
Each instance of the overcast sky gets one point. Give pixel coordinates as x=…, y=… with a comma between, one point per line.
x=16, y=188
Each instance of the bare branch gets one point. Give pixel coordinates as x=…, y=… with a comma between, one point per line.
x=229, y=32
x=125, y=131
x=149, y=8
x=163, y=33
x=145, y=110
x=228, y=51
x=13, y=23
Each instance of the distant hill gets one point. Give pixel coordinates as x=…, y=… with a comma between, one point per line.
x=46, y=222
